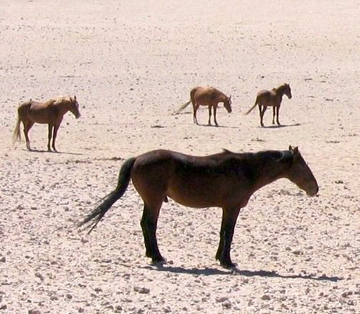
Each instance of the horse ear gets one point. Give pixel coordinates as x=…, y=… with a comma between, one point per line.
x=70, y=99
x=74, y=97
x=295, y=150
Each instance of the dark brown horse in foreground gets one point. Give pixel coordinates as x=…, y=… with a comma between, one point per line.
x=50, y=112
x=225, y=180
x=207, y=96
x=273, y=98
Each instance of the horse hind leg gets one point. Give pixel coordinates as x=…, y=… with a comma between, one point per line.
x=50, y=132
x=262, y=110
x=209, y=122
x=215, y=121
x=149, y=224
x=56, y=128
x=195, y=108
x=27, y=126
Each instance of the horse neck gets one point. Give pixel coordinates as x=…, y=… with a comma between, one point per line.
x=280, y=91
x=64, y=107
x=222, y=97
x=268, y=170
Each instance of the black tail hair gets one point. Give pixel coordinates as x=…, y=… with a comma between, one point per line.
x=98, y=213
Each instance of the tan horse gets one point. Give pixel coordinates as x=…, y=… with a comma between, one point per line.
x=273, y=99
x=50, y=112
x=225, y=180
x=207, y=96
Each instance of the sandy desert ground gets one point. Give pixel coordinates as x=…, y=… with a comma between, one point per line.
x=131, y=65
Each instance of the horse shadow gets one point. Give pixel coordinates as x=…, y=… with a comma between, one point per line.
x=235, y=271
x=218, y=126
x=34, y=150
x=275, y=126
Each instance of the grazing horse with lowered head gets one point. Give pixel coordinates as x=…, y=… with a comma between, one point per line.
x=273, y=98
x=225, y=180
x=207, y=96
x=50, y=113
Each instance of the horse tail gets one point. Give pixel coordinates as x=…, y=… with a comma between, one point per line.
x=98, y=213
x=183, y=106
x=17, y=133
x=251, y=109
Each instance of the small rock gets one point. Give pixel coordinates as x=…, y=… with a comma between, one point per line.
x=226, y=305
x=265, y=297
x=346, y=294
x=38, y=275
x=221, y=299
x=142, y=290
x=3, y=259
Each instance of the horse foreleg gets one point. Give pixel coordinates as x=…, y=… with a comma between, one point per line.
x=149, y=224
x=226, y=235
x=274, y=112
x=277, y=115
x=215, y=108
x=56, y=128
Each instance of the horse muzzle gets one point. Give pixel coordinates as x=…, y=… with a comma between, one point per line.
x=313, y=192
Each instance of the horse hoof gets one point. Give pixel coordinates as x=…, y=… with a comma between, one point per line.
x=158, y=261
x=227, y=264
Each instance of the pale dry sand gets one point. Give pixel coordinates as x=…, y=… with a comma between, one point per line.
x=131, y=65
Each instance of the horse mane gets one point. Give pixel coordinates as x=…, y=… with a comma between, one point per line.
x=282, y=86
x=60, y=100
x=277, y=155
x=50, y=102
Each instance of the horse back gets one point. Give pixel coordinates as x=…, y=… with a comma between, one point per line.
x=207, y=95
x=37, y=111
x=266, y=97
x=189, y=180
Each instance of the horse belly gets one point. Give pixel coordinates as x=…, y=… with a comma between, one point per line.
x=205, y=97
x=266, y=98
x=40, y=115
x=194, y=193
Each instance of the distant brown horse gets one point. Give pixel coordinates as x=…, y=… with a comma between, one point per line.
x=273, y=98
x=50, y=112
x=207, y=96
x=225, y=180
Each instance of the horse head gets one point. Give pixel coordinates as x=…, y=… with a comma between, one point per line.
x=74, y=107
x=287, y=90
x=227, y=104
x=299, y=172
